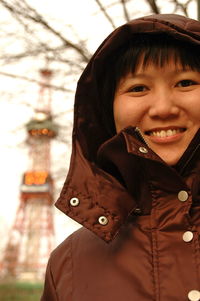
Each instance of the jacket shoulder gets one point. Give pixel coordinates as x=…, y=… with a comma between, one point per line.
x=59, y=270
x=77, y=241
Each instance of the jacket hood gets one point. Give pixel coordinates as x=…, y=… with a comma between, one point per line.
x=90, y=194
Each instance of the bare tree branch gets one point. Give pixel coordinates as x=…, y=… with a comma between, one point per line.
x=34, y=81
x=154, y=7
x=182, y=6
x=103, y=9
x=37, y=18
x=126, y=15
x=41, y=49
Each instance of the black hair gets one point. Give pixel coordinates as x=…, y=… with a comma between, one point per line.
x=156, y=48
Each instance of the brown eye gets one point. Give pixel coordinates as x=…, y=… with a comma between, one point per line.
x=186, y=83
x=138, y=89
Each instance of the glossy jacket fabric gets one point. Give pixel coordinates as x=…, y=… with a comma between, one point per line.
x=141, y=218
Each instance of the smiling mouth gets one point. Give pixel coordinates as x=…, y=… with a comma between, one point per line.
x=163, y=133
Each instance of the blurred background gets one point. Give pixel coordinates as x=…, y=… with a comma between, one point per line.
x=45, y=45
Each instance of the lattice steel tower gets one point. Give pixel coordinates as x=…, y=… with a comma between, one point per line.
x=32, y=235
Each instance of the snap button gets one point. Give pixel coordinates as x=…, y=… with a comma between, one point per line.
x=187, y=236
x=103, y=220
x=74, y=202
x=182, y=195
x=137, y=211
x=143, y=150
x=194, y=295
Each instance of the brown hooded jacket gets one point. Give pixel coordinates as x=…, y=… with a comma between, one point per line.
x=140, y=239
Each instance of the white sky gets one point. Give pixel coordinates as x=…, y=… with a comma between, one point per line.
x=14, y=160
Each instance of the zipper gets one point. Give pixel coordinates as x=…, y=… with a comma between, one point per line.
x=141, y=136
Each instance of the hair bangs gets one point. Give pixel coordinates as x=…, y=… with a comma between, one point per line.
x=160, y=57
x=158, y=50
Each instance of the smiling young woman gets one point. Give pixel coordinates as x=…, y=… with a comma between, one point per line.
x=134, y=177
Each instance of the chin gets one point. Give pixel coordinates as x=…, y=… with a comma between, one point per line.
x=170, y=154
x=171, y=160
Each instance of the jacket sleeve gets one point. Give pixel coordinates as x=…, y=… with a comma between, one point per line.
x=49, y=291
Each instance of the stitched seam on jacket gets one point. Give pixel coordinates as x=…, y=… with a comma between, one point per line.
x=95, y=204
x=196, y=251
x=71, y=267
x=156, y=276
x=155, y=252
x=53, y=281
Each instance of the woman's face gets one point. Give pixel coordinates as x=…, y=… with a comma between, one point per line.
x=164, y=103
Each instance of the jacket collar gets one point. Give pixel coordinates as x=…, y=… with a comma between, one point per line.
x=114, y=187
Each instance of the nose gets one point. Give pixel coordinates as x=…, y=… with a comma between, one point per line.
x=164, y=106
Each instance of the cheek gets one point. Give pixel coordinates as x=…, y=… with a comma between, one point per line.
x=126, y=114
x=195, y=111
x=191, y=105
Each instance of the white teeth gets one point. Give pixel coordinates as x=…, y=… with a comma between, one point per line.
x=163, y=133
x=169, y=133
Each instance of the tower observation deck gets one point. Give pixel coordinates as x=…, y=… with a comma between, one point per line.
x=31, y=238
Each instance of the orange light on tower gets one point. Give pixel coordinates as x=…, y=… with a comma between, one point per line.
x=35, y=178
